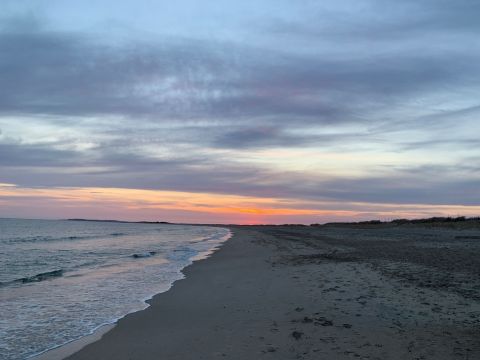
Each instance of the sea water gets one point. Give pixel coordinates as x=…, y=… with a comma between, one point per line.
x=61, y=280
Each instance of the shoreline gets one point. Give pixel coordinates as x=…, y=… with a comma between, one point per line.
x=280, y=292
x=63, y=351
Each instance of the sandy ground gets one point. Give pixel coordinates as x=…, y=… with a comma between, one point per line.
x=295, y=292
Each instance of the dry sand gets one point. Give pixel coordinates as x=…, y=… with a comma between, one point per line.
x=296, y=292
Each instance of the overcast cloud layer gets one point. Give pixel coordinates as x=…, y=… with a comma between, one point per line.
x=371, y=101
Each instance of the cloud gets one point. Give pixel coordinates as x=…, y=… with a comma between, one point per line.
x=32, y=166
x=34, y=156
x=190, y=114
x=379, y=21
x=258, y=137
x=46, y=72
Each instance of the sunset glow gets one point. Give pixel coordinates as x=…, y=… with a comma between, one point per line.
x=136, y=204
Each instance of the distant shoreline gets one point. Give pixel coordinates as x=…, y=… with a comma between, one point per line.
x=123, y=221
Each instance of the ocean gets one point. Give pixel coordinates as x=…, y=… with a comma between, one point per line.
x=61, y=280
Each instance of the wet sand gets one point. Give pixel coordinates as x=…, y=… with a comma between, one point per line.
x=330, y=292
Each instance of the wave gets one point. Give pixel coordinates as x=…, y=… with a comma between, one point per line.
x=36, y=278
x=42, y=276
x=216, y=236
x=36, y=239
x=144, y=255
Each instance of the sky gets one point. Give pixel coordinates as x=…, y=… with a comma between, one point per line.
x=250, y=112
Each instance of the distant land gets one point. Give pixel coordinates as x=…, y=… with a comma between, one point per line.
x=432, y=220
x=426, y=221
x=122, y=221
